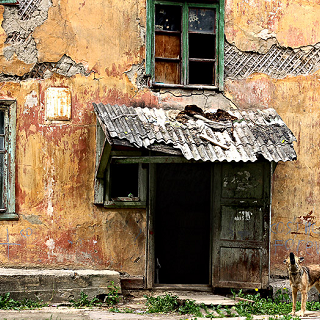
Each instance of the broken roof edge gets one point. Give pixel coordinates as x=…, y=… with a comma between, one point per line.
x=262, y=133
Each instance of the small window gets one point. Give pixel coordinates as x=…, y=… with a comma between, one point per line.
x=185, y=43
x=124, y=180
x=125, y=184
x=7, y=161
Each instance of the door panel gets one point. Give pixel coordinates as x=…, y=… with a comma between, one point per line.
x=241, y=225
x=241, y=265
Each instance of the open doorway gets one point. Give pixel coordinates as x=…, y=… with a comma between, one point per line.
x=182, y=224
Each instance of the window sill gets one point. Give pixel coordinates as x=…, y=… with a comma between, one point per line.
x=8, y=216
x=125, y=204
x=157, y=85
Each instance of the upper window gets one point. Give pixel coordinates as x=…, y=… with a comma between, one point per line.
x=185, y=43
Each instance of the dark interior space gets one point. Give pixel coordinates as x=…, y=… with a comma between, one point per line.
x=201, y=72
x=124, y=180
x=182, y=224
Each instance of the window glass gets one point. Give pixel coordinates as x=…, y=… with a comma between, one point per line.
x=202, y=20
x=168, y=18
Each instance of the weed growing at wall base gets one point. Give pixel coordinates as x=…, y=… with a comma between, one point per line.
x=83, y=301
x=170, y=303
x=7, y=303
x=251, y=304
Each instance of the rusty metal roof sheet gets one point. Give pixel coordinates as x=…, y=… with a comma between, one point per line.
x=255, y=133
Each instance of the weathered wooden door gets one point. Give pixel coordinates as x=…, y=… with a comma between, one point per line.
x=241, y=205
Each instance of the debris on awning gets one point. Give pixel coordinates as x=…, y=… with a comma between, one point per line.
x=196, y=112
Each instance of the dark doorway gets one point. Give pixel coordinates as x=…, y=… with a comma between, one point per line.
x=182, y=223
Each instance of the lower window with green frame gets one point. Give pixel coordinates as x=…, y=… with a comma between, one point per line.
x=7, y=160
x=126, y=185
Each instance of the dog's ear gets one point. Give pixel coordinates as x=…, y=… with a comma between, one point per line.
x=301, y=259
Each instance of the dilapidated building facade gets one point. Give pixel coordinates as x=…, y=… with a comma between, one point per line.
x=142, y=135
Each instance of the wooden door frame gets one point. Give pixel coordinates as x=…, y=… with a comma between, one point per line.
x=215, y=217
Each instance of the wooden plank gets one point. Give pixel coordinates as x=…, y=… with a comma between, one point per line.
x=150, y=37
x=125, y=204
x=132, y=283
x=9, y=216
x=152, y=159
x=165, y=149
x=150, y=263
x=98, y=191
x=104, y=159
x=125, y=153
x=99, y=183
x=220, y=45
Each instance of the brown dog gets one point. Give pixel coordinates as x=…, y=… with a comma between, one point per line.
x=301, y=278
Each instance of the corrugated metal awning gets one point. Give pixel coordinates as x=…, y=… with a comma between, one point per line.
x=245, y=135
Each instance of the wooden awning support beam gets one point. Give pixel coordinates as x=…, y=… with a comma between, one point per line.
x=151, y=159
x=104, y=159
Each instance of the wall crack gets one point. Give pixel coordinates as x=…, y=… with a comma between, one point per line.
x=65, y=67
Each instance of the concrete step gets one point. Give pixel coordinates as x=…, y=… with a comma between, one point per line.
x=56, y=286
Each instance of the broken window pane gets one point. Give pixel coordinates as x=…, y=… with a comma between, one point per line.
x=167, y=44
x=202, y=46
x=168, y=18
x=202, y=20
x=201, y=72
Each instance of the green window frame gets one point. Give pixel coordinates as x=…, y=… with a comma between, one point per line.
x=7, y=160
x=9, y=2
x=184, y=67
x=118, y=183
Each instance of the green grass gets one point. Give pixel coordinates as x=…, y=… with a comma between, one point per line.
x=252, y=304
x=111, y=299
x=169, y=303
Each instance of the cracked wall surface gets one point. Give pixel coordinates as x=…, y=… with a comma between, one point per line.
x=97, y=50
x=278, y=62
x=65, y=67
x=252, y=25
x=20, y=40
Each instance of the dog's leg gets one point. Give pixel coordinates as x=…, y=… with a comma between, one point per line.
x=304, y=296
x=294, y=300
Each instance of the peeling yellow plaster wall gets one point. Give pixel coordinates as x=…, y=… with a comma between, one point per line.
x=98, y=33
x=256, y=25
